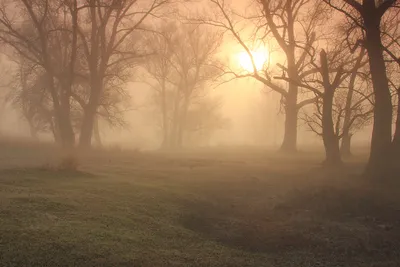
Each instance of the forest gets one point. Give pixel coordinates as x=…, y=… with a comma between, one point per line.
x=339, y=60
x=68, y=69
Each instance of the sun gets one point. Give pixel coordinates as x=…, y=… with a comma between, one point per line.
x=259, y=57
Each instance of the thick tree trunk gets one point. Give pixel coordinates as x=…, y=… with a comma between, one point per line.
x=90, y=113
x=173, y=137
x=66, y=130
x=96, y=132
x=89, y=116
x=174, y=133
x=55, y=131
x=331, y=141
x=32, y=130
x=64, y=133
x=165, y=122
x=345, y=147
x=382, y=128
x=289, y=143
x=179, y=137
x=182, y=124
x=396, y=138
x=61, y=106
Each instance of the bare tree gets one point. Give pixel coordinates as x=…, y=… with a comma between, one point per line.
x=160, y=69
x=30, y=96
x=367, y=16
x=204, y=119
x=112, y=26
x=329, y=87
x=293, y=25
x=43, y=27
x=180, y=72
x=335, y=111
x=396, y=137
x=355, y=114
x=391, y=42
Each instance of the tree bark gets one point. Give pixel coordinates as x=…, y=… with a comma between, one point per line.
x=165, y=122
x=65, y=124
x=289, y=143
x=89, y=116
x=32, y=130
x=345, y=148
x=96, y=132
x=61, y=107
x=90, y=111
x=331, y=140
x=173, y=137
x=382, y=126
x=182, y=122
x=396, y=138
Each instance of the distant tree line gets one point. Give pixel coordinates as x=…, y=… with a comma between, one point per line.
x=338, y=69
x=74, y=59
x=341, y=57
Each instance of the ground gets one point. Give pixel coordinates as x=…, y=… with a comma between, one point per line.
x=228, y=207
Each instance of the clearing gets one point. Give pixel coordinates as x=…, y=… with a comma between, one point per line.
x=232, y=207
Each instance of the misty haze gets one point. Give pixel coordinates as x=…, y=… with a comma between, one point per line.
x=200, y=133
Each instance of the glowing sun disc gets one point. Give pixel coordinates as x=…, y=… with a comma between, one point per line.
x=246, y=63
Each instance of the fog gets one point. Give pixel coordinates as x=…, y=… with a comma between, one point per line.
x=254, y=111
x=187, y=75
x=199, y=133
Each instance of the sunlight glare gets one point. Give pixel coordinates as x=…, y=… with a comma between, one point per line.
x=260, y=57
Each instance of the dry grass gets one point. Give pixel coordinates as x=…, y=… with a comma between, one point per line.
x=203, y=208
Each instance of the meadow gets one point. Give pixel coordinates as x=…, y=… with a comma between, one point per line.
x=206, y=207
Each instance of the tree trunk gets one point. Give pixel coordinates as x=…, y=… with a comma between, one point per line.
x=66, y=130
x=345, y=147
x=32, y=130
x=331, y=141
x=165, y=123
x=382, y=127
x=182, y=124
x=85, y=140
x=289, y=143
x=175, y=122
x=61, y=107
x=396, y=138
x=90, y=113
x=96, y=132
x=55, y=131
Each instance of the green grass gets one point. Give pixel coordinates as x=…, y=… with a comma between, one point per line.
x=203, y=208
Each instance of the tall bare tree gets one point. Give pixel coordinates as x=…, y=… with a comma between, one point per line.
x=324, y=84
x=109, y=39
x=293, y=25
x=367, y=16
x=45, y=25
x=180, y=72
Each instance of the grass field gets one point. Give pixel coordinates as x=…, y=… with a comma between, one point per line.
x=204, y=208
